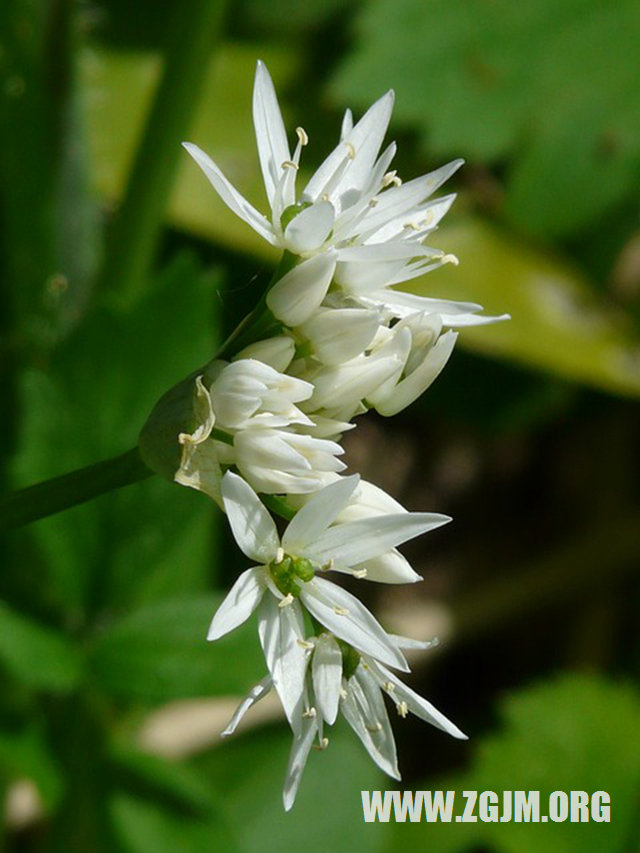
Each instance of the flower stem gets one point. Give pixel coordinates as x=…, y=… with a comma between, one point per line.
x=51, y=496
x=194, y=26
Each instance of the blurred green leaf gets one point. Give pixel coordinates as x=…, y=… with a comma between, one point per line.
x=557, y=323
x=118, y=89
x=24, y=755
x=160, y=653
x=576, y=733
x=248, y=770
x=36, y=655
x=173, y=783
x=143, y=826
x=89, y=403
x=551, y=83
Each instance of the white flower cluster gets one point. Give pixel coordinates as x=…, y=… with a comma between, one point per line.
x=340, y=339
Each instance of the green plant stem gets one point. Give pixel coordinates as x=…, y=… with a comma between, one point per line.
x=194, y=26
x=63, y=492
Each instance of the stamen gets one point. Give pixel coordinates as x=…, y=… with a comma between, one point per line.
x=303, y=137
x=309, y=713
x=374, y=729
x=391, y=178
x=351, y=151
x=325, y=197
x=389, y=687
x=328, y=566
x=305, y=644
x=411, y=226
x=289, y=164
x=343, y=693
x=341, y=611
x=324, y=743
x=373, y=202
x=286, y=601
x=279, y=555
x=361, y=573
x=402, y=709
x=449, y=259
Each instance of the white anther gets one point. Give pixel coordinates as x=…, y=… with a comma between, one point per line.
x=325, y=197
x=389, y=687
x=286, y=601
x=361, y=573
x=373, y=202
x=411, y=226
x=402, y=709
x=449, y=259
x=303, y=137
x=279, y=555
x=309, y=713
x=391, y=178
x=341, y=611
x=376, y=728
x=288, y=164
x=324, y=743
x=351, y=151
x=343, y=693
x=305, y=644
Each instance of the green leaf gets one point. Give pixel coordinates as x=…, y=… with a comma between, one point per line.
x=248, y=771
x=24, y=754
x=118, y=88
x=38, y=656
x=144, y=826
x=557, y=323
x=463, y=74
x=160, y=653
x=576, y=733
x=89, y=403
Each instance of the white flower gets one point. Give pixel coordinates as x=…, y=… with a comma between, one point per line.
x=351, y=203
x=339, y=678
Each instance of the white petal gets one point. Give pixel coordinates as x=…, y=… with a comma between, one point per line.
x=308, y=230
x=417, y=382
x=347, y=618
x=230, y=195
x=271, y=136
x=318, y=514
x=280, y=629
x=240, y=602
x=326, y=670
x=357, y=541
x=365, y=712
x=338, y=335
x=253, y=528
x=300, y=749
x=415, y=703
x=277, y=352
x=457, y=321
x=254, y=695
x=294, y=298
x=390, y=567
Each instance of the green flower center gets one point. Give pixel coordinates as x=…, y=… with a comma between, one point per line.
x=288, y=571
x=350, y=659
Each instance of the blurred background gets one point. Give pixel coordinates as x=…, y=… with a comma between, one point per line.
x=119, y=271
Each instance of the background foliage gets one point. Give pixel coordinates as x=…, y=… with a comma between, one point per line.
x=120, y=270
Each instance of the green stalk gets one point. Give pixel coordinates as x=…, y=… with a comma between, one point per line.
x=63, y=492
x=194, y=27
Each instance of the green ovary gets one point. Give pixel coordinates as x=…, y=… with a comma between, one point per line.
x=288, y=571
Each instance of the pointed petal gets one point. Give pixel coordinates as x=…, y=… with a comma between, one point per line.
x=240, y=602
x=230, y=195
x=310, y=228
x=347, y=618
x=367, y=716
x=317, y=514
x=294, y=298
x=340, y=334
x=300, y=749
x=254, y=695
x=253, y=528
x=271, y=136
x=326, y=671
x=280, y=629
x=357, y=541
x=390, y=567
x=415, y=703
